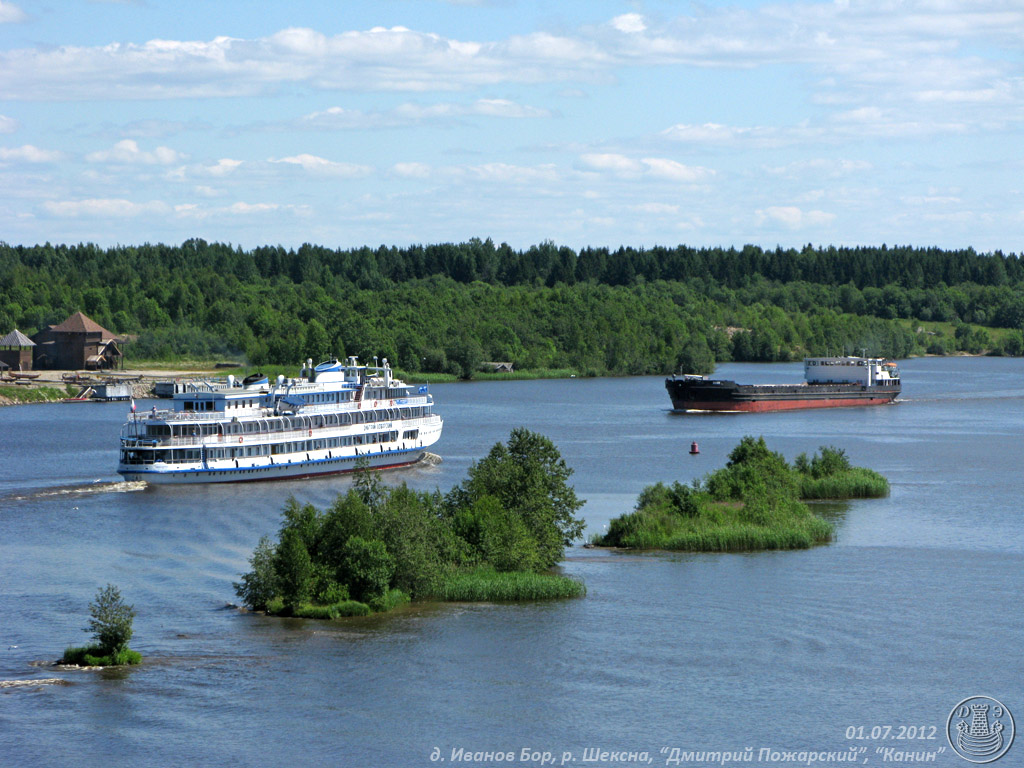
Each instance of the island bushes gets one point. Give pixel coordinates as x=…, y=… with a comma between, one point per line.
x=830, y=476
x=111, y=625
x=755, y=502
x=494, y=537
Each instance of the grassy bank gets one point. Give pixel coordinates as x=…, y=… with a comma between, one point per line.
x=29, y=394
x=755, y=502
x=209, y=368
x=95, y=656
x=488, y=585
x=854, y=483
x=719, y=527
x=478, y=585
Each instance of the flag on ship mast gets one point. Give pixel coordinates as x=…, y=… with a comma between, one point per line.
x=133, y=405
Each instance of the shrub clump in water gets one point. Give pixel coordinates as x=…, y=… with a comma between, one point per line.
x=494, y=537
x=755, y=502
x=111, y=625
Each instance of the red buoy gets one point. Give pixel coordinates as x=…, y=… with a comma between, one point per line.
x=694, y=449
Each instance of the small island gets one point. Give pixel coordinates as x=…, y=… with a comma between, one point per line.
x=755, y=502
x=111, y=627
x=495, y=537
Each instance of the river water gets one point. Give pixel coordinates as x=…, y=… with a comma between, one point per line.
x=908, y=612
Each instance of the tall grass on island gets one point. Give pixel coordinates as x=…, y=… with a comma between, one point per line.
x=755, y=502
x=828, y=475
x=496, y=537
x=486, y=584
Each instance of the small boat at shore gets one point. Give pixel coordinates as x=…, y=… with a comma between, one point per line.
x=335, y=417
x=830, y=382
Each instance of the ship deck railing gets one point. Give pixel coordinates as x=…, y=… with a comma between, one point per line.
x=263, y=436
x=171, y=415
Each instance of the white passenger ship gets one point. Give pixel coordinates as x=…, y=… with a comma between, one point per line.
x=336, y=417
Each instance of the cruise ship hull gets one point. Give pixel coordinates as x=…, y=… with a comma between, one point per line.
x=730, y=397
x=286, y=470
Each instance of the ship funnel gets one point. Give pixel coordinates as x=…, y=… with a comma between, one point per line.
x=231, y=380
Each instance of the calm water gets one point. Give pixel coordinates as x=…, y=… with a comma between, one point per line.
x=914, y=607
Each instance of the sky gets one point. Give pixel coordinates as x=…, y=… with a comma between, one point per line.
x=583, y=122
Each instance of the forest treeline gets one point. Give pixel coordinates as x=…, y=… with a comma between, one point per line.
x=448, y=307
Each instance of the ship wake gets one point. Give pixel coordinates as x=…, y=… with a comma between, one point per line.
x=97, y=486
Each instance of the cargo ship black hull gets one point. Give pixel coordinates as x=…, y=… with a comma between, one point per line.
x=718, y=395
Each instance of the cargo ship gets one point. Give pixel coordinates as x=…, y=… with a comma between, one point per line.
x=830, y=382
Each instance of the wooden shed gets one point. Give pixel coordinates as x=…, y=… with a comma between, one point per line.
x=16, y=351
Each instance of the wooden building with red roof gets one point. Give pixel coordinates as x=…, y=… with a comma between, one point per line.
x=76, y=344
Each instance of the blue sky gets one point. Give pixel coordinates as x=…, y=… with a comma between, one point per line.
x=586, y=123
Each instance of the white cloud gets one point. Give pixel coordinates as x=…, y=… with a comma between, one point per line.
x=10, y=13
x=504, y=173
x=793, y=217
x=336, y=118
x=931, y=200
x=906, y=55
x=238, y=210
x=497, y=173
x=223, y=167
x=862, y=115
x=103, y=208
x=656, y=167
x=158, y=129
x=246, y=209
x=630, y=23
x=412, y=170
x=127, y=152
x=204, y=190
x=323, y=167
x=657, y=209
x=385, y=59
x=506, y=108
x=29, y=154
x=8, y=124
x=618, y=164
x=675, y=171
x=708, y=132
x=821, y=167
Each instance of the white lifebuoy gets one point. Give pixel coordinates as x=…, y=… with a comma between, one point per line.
x=311, y=433
x=239, y=438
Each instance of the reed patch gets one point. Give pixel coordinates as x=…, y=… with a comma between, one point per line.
x=755, y=502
